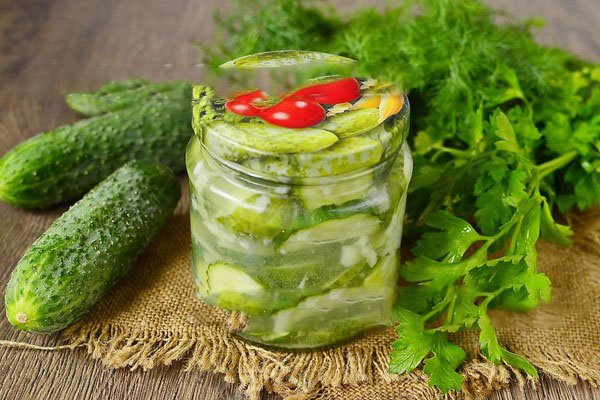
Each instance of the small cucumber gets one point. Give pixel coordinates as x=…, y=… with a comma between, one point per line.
x=91, y=246
x=120, y=95
x=332, y=230
x=252, y=139
x=230, y=287
x=344, y=156
x=278, y=58
x=336, y=193
x=323, y=319
x=351, y=123
x=64, y=163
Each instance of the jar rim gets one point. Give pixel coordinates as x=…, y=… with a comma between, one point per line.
x=255, y=176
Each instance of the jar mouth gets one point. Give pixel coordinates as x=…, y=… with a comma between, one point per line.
x=265, y=179
x=389, y=154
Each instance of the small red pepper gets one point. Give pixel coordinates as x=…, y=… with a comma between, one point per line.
x=242, y=104
x=299, y=109
x=293, y=112
x=340, y=91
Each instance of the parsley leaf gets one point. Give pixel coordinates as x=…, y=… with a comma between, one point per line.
x=441, y=368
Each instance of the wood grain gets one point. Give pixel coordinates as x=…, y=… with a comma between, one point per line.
x=50, y=48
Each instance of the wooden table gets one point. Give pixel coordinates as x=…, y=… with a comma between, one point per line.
x=50, y=48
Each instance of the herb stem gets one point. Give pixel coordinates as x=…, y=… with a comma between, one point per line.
x=457, y=152
x=552, y=165
x=435, y=310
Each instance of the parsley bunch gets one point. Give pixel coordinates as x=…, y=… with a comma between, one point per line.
x=506, y=135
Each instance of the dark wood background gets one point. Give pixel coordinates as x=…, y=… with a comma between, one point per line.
x=49, y=48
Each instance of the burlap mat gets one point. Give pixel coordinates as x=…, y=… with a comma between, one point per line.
x=152, y=318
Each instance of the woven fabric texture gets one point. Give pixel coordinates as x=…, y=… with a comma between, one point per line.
x=152, y=318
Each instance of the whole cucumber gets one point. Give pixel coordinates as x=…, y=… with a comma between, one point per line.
x=91, y=246
x=120, y=95
x=64, y=163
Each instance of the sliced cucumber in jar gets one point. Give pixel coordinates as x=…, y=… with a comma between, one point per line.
x=261, y=216
x=239, y=141
x=351, y=123
x=316, y=196
x=197, y=171
x=224, y=195
x=279, y=58
x=199, y=270
x=308, y=275
x=212, y=234
x=384, y=273
x=231, y=288
x=324, y=319
x=345, y=156
x=332, y=230
x=225, y=278
x=383, y=135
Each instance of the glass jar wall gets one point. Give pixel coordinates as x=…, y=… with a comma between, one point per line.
x=305, y=245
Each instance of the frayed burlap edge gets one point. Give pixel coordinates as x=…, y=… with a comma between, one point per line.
x=301, y=376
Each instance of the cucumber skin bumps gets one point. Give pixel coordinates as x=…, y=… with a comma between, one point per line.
x=129, y=120
x=91, y=246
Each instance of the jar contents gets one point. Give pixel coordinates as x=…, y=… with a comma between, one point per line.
x=297, y=205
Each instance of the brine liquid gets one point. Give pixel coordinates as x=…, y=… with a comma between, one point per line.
x=308, y=266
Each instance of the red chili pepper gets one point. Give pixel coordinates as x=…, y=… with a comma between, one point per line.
x=340, y=91
x=242, y=104
x=254, y=96
x=300, y=109
x=293, y=112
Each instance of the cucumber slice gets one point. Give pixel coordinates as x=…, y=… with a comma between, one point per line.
x=199, y=271
x=280, y=58
x=346, y=155
x=338, y=230
x=324, y=319
x=231, y=288
x=243, y=140
x=262, y=216
x=384, y=136
x=213, y=235
x=224, y=195
x=227, y=278
x=388, y=240
x=351, y=123
x=316, y=196
x=198, y=172
x=385, y=273
x=240, y=207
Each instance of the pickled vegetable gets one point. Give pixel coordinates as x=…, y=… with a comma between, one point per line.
x=299, y=227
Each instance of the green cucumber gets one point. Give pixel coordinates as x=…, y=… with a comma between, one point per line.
x=224, y=278
x=339, y=230
x=91, y=246
x=384, y=273
x=324, y=319
x=261, y=216
x=351, y=123
x=252, y=139
x=278, y=58
x=334, y=193
x=228, y=286
x=344, y=156
x=64, y=163
x=120, y=95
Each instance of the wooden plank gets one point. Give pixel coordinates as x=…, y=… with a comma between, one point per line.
x=50, y=48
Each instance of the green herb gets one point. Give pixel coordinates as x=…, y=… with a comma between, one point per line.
x=505, y=133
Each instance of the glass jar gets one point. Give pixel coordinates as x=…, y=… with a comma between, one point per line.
x=304, y=245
